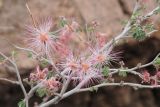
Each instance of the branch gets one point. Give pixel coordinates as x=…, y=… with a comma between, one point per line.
x=128, y=26
x=10, y=81
x=132, y=70
x=32, y=91
x=42, y=58
x=18, y=76
x=134, y=85
x=53, y=101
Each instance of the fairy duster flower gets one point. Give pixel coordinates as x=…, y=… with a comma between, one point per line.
x=40, y=39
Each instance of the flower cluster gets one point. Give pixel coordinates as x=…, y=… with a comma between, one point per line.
x=49, y=83
x=88, y=64
x=82, y=63
x=81, y=56
x=147, y=78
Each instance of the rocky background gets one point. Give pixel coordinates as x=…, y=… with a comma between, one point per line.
x=110, y=14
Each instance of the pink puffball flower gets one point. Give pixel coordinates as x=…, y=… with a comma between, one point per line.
x=81, y=68
x=71, y=64
x=88, y=72
x=38, y=75
x=40, y=39
x=105, y=57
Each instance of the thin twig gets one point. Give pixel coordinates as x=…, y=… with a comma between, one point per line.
x=133, y=70
x=134, y=85
x=18, y=76
x=31, y=15
x=10, y=81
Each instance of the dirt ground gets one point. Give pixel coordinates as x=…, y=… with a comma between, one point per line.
x=110, y=14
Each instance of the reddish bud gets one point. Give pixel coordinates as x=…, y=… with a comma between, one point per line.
x=52, y=84
x=154, y=80
x=146, y=76
x=38, y=75
x=158, y=74
x=101, y=39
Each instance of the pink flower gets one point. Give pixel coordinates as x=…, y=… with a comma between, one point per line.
x=40, y=39
x=38, y=75
x=146, y=76
x=158, y=74
x=101, y=39
x=61, y=49
x=154, y=81
x=52, y=84
x=68, y=32
x=87, y=69
x=105, y=57
x=69, y=65
x=65, y=38
x=81, y=68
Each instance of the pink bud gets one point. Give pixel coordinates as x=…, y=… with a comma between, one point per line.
x=101, y=39
x=146, y=76
x=158, y=74
x=52, y=84
x=38, y=75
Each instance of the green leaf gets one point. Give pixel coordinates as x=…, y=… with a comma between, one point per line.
x=21, y=104
x=138, y=33
x=157, y=11
x=90, y=29
x=41, y=92
x=63, y=22
x=149, y=27
x=122, y=73
x=105, y=71
x=135, y=15
x=44, y=63
x=29, y=55
x=14, y=53
x=50, y=74
x=157, y=61
x=2, y=59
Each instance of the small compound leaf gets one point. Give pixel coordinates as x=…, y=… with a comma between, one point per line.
x=138, y=33
x=14, y=53
x=21, y=104
x=29, y=54
x=44, y=63
x=63, y=22
x=41, y=92
x=157, y=61
x=105, y=71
